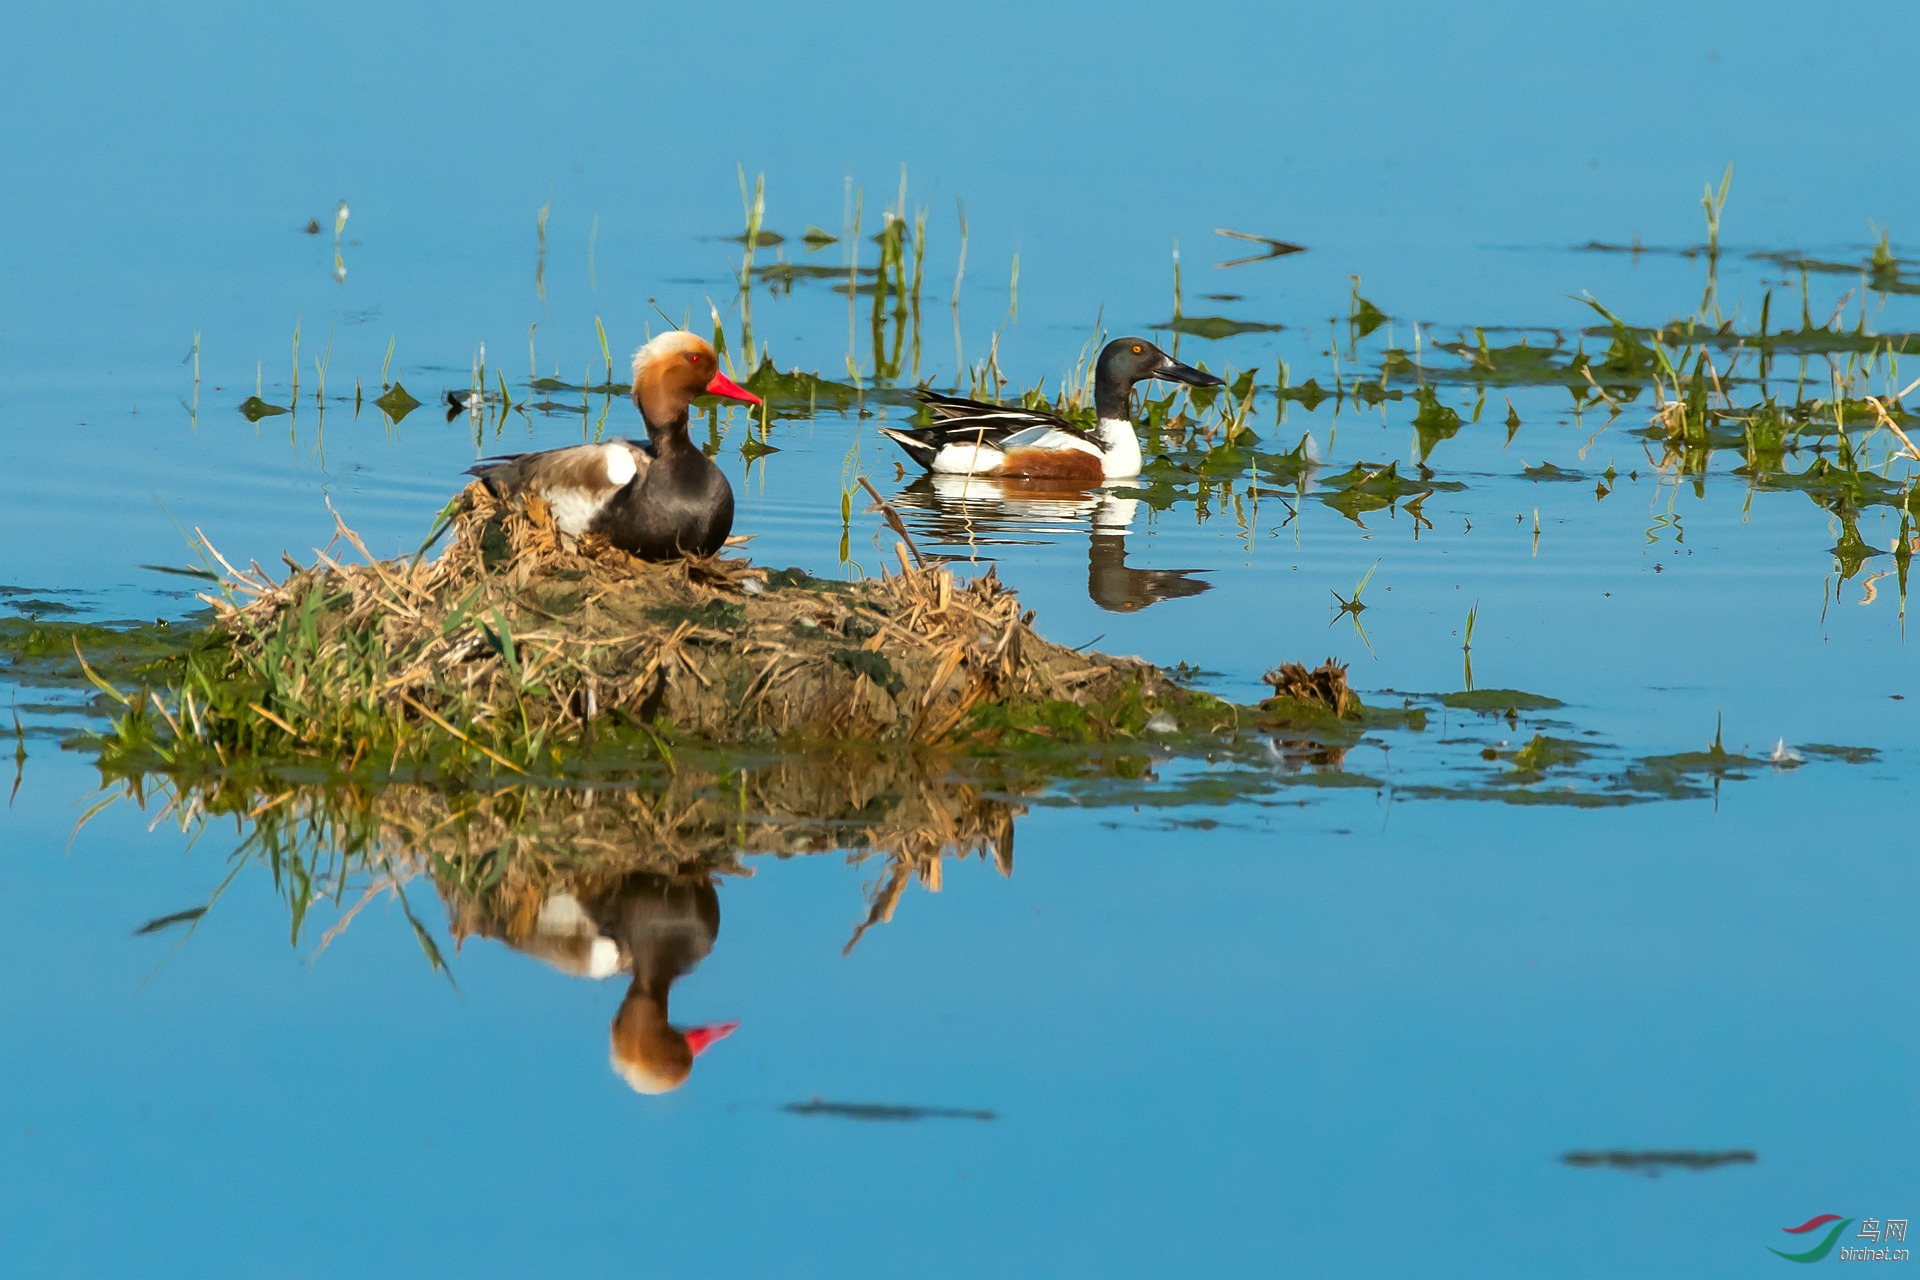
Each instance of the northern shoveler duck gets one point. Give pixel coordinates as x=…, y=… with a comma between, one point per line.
x=970, y=437
x=659, y=500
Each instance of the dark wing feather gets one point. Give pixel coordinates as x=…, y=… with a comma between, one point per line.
x=581, y=467
x=964, y=421
x=918, y=447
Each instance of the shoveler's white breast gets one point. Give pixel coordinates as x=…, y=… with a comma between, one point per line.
x=1120, y=448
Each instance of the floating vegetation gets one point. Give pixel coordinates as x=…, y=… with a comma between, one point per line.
x=795, y=393
x=46, y=654
x=1542, y=753
x=1216, y=327
x=396, y=403
x=1499, y=702
x=253, y=408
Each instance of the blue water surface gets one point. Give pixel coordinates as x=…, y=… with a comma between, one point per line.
x=1341, y=1033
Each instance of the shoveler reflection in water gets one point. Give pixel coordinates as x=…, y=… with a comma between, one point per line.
x=661, y=499
x=657, y=928
x=975, y=512
x=971, y=437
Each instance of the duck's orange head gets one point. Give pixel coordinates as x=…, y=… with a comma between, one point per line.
x=674, y=369
x=652, y=1056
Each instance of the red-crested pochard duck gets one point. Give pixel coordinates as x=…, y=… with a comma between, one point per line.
x=658, y=500
x=666, y=928
x=657, y=929
x=970, y=437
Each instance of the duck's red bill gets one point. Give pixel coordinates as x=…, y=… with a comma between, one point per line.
x=722, y=385
x=700, y=1038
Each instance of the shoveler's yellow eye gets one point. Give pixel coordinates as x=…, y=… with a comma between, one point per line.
x=1136, y=350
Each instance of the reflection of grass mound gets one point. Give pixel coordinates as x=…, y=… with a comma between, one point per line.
x=698, y=819
x=496, y=855
x=517, y=639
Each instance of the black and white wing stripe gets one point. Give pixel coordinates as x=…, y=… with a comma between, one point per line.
x=959, y=421
x=960, y=418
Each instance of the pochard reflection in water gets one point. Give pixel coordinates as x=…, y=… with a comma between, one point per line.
x=655, y=928
x=617, y=877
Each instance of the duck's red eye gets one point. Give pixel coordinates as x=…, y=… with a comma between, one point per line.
x=693, y=357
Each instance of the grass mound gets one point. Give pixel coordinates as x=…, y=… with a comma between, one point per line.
x=518, y=640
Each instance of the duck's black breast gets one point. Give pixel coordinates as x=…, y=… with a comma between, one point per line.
x=682, y=506
x=667, y=926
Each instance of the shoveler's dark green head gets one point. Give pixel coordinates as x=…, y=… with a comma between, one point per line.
x=1125, y=361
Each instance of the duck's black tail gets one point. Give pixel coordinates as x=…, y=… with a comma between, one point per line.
x=503, y=475
x=918, y=447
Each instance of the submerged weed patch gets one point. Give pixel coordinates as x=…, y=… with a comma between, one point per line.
x=1498, y=702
